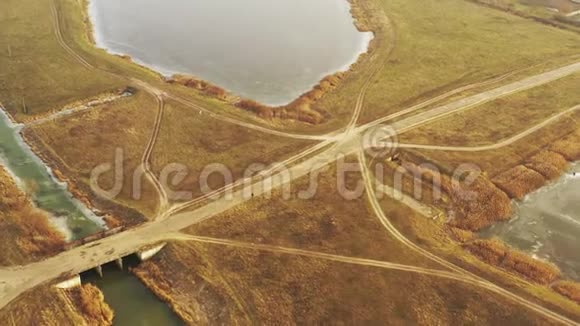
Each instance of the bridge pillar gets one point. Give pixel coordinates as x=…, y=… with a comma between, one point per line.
x=99, y=270
x=72, y=282
x=119, y=263
x=148, y=253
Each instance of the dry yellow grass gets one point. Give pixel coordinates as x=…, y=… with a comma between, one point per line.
x=327, y=222
x=568, y=289
x=568, y=146
x=91, y=302
x=46, y=305
x=549, y=164
x=499, y=254
x=266, y=288
x=519, y=181
x=27, y=234
x=75, y=145
x=195, y=140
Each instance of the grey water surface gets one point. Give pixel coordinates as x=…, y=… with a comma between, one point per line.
x=271, y=51
x=547, y=224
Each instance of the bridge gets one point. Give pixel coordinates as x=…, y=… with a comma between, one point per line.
x=146, y=253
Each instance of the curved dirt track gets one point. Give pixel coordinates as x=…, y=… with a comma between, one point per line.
x=17, y=280
x=503, y=143
x=376, y=206
x=146, y=159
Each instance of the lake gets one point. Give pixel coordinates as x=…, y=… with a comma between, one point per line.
x=547, y=224
x=271, y=51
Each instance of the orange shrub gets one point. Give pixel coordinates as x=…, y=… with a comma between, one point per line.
x=568, y=289
x=92, y=304
x=492, y=251
x=533, y=269
x=519, y=181
x=550, y=164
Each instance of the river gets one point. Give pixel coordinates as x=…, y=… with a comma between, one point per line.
x=271, y=51
x=70, y=216
x=547, y=224
x=134, y=304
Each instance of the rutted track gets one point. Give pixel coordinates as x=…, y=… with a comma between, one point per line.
x=467, y=278
x=501, y=144
x=375, y=204
x=146, y=159
x=17, y=280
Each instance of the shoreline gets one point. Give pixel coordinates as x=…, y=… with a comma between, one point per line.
x=298, y=109
x=52, y=174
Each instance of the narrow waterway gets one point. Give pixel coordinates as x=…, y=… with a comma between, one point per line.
x=134, y=304
x=547, y=224
x=33, y=176
x=269, y=51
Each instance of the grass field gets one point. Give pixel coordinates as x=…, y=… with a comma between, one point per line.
x=501, y=119
x=258, y=287
x=551, y=12
x=442, y=45
x=38, y=74
x=254, y=286
x=196, y=140
x=327, y=222
x=79, y=143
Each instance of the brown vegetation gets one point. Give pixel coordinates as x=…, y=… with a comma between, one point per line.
x=124, y=124
x=253, y=287
x=26, y=231
x=538, y=271
x=46, y=305
x=497, y=253
x=475, y=204
x=568, y=289
x=92, y=305
x=549, y=164
x=568, y=146
x=519, y=181
x=491, y=251
x=189, y=295
x=461, y=235
x=201, y=85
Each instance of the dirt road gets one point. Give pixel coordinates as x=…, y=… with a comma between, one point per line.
x=503, y=143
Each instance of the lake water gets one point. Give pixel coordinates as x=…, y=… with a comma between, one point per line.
x=69, y=214
x=271, y=51
x=547, y=224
